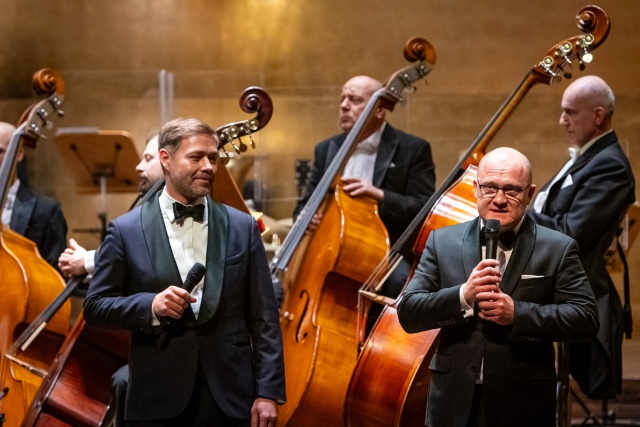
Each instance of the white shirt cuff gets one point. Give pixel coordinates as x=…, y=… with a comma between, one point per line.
x=467, y=310
x=90, y=261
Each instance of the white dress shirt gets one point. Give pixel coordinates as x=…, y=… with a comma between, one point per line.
x=363, y=159
x=8, y=205
x=188, y=242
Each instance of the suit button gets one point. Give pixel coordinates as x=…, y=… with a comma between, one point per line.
x=474, y=369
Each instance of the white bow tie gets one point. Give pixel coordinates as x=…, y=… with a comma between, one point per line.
x=574, y=152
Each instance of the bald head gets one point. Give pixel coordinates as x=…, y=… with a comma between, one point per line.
x=587, y=108
x=365, y=84
x=6, y=130
x=354, y=97
x=509, y=160
x=593, y=91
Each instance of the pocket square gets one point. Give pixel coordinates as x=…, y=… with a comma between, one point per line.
x=567, y=182
x=530, y=276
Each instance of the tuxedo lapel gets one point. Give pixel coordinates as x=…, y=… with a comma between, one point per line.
x=522, y=251
x=332, y=150
x=581, y=161
x=23, y=208
x=387, y=148
x=162, y=260
x=471, y=248
x=216, y=254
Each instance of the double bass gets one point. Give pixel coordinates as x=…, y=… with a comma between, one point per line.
x=76, y=390
x=28, y=283
x=321, y=272
x=390, y=382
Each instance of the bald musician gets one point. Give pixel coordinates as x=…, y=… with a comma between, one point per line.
x=586, y=200
x=393, y=167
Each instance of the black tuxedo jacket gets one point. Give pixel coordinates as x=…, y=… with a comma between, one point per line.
x=39, y=218
x=587, y=203
x=236, y=336
x=404, y=170
x=553, y=302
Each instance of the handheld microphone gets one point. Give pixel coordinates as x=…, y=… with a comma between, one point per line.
x=194, y=276
x=491, y=236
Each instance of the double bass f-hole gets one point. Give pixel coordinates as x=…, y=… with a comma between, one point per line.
x=302, y=330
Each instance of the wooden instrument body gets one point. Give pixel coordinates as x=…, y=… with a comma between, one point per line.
x=390, y=383
x=319, y=311
x=321, y=273
x=27, y=283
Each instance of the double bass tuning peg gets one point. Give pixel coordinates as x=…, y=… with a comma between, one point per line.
x=225, y=157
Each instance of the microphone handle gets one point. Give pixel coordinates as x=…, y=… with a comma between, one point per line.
x=492, y=247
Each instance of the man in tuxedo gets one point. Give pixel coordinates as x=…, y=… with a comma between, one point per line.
x=212, y=357
x=393, y=167
x=586, y=200
x=495, y=362
x=35, y=216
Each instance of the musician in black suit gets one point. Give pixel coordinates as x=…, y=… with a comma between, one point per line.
x=495, y=361
x=393, y=167
x=219, y=361
x=390, y=166
x=586, y=200
x=37, y=217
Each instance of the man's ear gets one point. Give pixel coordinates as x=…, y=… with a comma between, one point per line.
x=20, y=154
x=164, y=156
x=599, y=116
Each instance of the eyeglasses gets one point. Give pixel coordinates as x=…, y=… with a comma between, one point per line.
x=510, y=191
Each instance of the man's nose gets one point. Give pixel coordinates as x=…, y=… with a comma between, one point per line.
x=563, y=120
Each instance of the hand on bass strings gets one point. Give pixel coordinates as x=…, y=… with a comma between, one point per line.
x=355, y=187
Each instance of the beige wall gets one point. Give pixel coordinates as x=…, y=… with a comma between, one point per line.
x=110, y=52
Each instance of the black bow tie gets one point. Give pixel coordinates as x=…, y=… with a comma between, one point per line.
x=181, y=212
x=507, y=239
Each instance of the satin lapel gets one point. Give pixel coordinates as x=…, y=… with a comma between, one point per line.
x=520, y=256
x=23, y=208
x=582, y=160
x=216, y=254
x=387, y=148
x=332, y=150
x=162, y=260
x=471, y=249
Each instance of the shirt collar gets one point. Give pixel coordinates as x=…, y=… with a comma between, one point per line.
x=13, y=190
x=373, y=140
x=588, y=145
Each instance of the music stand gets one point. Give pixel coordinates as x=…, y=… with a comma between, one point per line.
x=100, y=160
